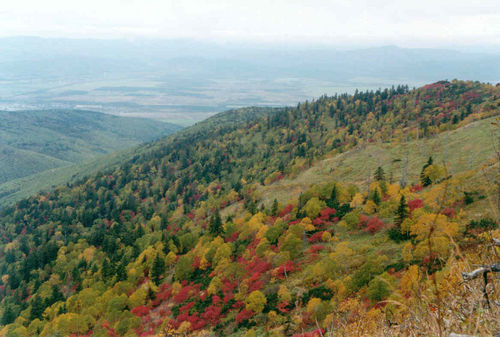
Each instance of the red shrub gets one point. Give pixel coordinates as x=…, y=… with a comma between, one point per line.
x=414, y=204
x=449, y=212
x=316, y=237
x=416, y=188
x=141, y=310
x=244, y=315
x=286, y=210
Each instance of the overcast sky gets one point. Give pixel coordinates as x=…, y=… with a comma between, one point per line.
x=422, y=23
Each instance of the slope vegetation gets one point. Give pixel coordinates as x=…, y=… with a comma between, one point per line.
x=36, y=141
x=186, y=237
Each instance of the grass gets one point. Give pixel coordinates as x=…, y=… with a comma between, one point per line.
x=463, y=148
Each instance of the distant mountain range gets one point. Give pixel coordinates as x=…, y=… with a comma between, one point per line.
x=185, y=81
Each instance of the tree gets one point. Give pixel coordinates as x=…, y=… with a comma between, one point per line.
x=376, y=197
x=379, y=174
x=215, y=225
x=379, y=287
x=255, y=301
x=8, y=315
x=158, y=269
x=424, y=179
x=402, y=212
x=274, y=208
x=333, y=202
x=184, y=268
x=37, y=308
x=121, y=272
x=313, y=207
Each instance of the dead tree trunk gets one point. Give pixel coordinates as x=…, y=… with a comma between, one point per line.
x=483, y=271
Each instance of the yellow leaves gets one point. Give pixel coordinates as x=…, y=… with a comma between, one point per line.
x=284, y=294
x=204, y=264
x=434, y=230
x=262, y=247
x=184, y=328
x=370, y=207
x=313, y=305
x=88, y=254
x=326, y=236
x=357, y=200
x=393, y=190
x=307, y=224
x=138, y=297
x=342, y=252
x=223, y=252
x=176, y=287
x=5, y=278
x=214, y=286
x=313, y=207
x=255, y=301
x=170, y=258
x=435, y=172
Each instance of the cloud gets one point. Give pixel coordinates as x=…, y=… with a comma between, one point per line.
x=424, y=22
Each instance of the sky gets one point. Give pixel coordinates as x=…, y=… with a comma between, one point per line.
x=408, y=23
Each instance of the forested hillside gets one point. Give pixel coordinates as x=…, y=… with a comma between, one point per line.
x=192, y=236
x=32, y=142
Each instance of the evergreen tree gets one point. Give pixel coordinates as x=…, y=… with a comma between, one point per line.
x=37, y=308
x=107, y=270
x=158, y=269
x=376, y=197
x=121, y=273
x=8, y=315
x=215, y=225
x=379, y=174
x=424, y=179
x=402, y=212
x=333, y=201
x=274, y=208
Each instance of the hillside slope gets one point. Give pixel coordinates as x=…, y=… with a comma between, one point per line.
x=142, y=249
x=32, y=142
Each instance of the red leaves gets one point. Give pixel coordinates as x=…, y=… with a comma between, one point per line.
x=449, y=212
x=283, y=307
x=315, y=249
x=371, y=224
x=212, y=314
x=416, y=188
x=287, y=268
x=141, y=310
x=286, y=210
x=414, y=204
x=244, y=315
x=316, y=237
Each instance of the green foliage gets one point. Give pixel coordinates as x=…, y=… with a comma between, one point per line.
x=215, y=224
x=425, y=179
x=313, y=207
x=158, y=269
x=118, y=224
x=379, y=288
x=184, y=268
x=379, y=174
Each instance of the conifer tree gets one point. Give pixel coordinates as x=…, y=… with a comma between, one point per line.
x=379, y=174
x=376, y=197
x=158, y=269
x=274, y=208
x=121, y=273
x=402, y=212
x=424, y=179
x=333, y=201
x=215, y=225
x=37, y=308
